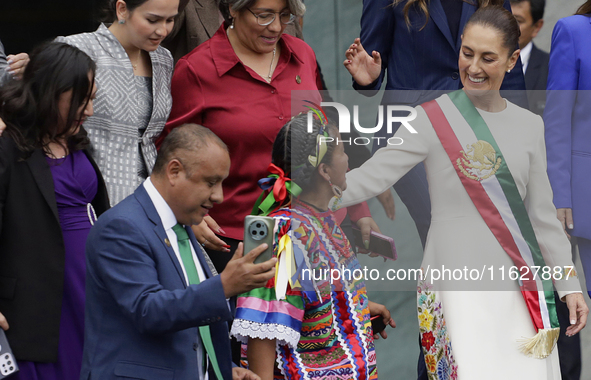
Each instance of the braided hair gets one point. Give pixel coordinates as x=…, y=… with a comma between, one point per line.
x=293, y=145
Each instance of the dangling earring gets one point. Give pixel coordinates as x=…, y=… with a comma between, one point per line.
x=122, y=21
x=232, y=26
x=337, y=191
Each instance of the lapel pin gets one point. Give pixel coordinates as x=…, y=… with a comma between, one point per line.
x=298, y=79
x=167, y=242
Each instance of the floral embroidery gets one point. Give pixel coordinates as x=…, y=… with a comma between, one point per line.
x=428, y=340
x=426, y=320
x=434, y=336
x=442, y=369
x=431, y=363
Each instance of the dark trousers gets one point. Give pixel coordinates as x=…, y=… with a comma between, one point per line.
x=569, y=348
x=585, y=254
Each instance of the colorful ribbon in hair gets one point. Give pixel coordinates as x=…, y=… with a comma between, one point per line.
x=291, y=262
x=321, y=146
x=275, y=188
x=318, y=111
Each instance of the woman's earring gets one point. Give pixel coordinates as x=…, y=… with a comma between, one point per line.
x=122, y=21
x=508, y=71
x=232, y=26
x=337, y=191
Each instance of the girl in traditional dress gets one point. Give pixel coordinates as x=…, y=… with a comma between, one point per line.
x=322, y=329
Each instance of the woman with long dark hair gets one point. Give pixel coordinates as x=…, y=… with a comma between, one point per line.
x=51, y=192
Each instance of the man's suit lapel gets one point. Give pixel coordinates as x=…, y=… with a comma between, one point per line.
x=438, y=16
x=144, y=199
x=42, y=174
x=208, y=14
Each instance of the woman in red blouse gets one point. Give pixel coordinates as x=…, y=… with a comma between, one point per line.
x=239, y=84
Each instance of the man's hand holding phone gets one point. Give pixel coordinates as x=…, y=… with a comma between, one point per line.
x=242, y=274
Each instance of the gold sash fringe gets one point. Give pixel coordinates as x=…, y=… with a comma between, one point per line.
x=541, y=345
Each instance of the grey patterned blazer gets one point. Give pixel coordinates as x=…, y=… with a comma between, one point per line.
x=113, y=129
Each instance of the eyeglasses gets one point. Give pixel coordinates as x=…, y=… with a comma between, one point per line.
x=267, y=18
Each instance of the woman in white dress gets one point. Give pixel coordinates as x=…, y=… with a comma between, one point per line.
x=491, y=210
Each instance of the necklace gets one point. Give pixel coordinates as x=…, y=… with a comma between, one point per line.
x=139, y=57
x=271, y=66
x=310, y=204
x=49, y=152
x=54, y=157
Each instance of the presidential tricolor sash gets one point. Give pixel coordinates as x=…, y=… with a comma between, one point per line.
x=483, y=170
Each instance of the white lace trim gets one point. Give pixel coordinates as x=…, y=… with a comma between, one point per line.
x=243, y=329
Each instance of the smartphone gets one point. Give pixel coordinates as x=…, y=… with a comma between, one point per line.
x=259, y=230
x=8, y=364
x=381, y=244
x=377, y=324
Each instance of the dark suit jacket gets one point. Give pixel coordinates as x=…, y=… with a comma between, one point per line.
x=536, y=77
x=197, y=21
x=32, y=252
x=141, y=318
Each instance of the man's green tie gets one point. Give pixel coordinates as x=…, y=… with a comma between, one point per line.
x=189, y=264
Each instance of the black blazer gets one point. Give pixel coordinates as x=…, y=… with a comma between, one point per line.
x=32, y=252
x=536, y=77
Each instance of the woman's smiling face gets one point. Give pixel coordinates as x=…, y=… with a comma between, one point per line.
x=484, y=59
x=260, y=38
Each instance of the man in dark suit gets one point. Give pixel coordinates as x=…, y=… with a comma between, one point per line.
x=153, y=308
x=529, y=15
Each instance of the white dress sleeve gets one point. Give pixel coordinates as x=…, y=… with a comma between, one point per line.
x=390, y=163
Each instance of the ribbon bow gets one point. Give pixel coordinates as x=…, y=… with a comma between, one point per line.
x=280, y=184
x=277, y=180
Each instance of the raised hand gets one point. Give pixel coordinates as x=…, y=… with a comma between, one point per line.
x=364, y=68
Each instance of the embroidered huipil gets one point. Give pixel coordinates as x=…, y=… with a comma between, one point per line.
x=321, y=331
